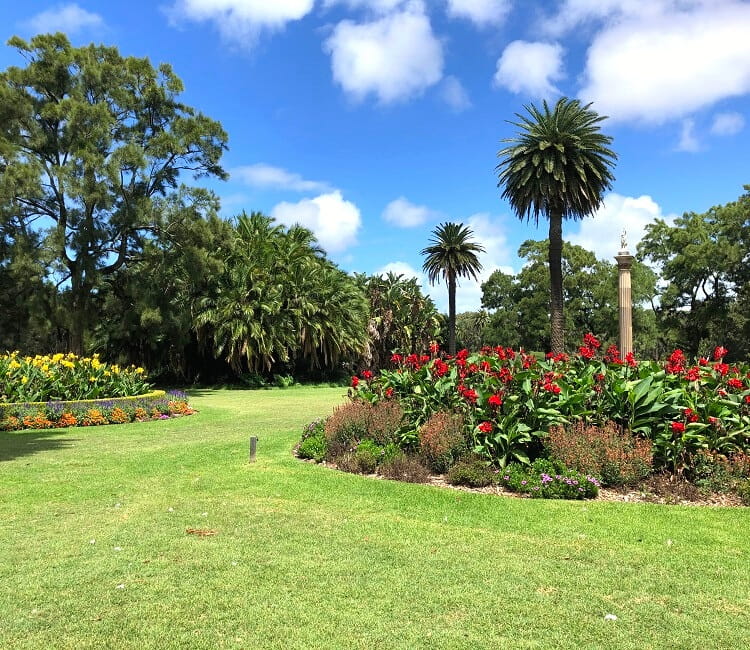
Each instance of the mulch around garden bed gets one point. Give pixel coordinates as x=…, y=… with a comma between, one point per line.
x=659, y=489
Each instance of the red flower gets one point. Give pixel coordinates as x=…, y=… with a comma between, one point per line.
x=714, y=421
x=367, y=375
x=613, y=355
x=485, y=366
x=551, y=388
x=424, y=358
x=735, y=383
x=439, y=368
x=690, y=415
x=355, y=382
x=495, y=401
x=630, y=360
x=586, y=353
x=389, y=392
x=719, y=353
x=599, y=376
x=485, y=427
x=591, y=341
x=693, y=374
x=678, y=427
x=721, y=368
x=462, y=354
x=747, y=399
x=434, y=347
x=703, y=361
x=469, y=395
x=396, y=358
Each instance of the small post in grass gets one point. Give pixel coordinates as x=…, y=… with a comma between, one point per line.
x=253, y=447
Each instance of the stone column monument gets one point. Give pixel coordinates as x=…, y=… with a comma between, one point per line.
x=624, y=264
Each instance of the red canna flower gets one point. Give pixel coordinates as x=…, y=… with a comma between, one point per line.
x=389, y=392
x=495, y=401
x=355, y=381
x=485, y=427
x=396, y=358
x=678, y=427
x=719, y=353
x=367, y=375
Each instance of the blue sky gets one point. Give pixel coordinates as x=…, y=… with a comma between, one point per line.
x=371, y=121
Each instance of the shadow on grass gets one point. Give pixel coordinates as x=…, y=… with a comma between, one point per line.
x=26, y=443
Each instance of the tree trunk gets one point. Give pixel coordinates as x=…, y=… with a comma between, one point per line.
x=451, y=314
x=557, y=317
x=78, y=315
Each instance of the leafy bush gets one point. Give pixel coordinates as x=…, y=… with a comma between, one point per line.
x=66, y=377
x=385, y=418
x=404, y=468
x=471, y=473
x=314, y=447
x=511, y=399
x=441, y=440
x=283, y=381
x=253, y=380
x=367, y=455
x=545, y=479
x=618, y=458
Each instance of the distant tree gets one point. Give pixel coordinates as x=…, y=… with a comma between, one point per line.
x=402, y=318
x=704, y=260
x=89, y=140
x=451, y=255
x=558, y=165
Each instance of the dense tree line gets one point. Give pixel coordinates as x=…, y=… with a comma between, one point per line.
x=105, y=248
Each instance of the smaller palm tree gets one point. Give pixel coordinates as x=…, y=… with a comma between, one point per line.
x=452, y=255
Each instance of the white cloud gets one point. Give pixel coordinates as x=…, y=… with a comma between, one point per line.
x=377, y=6
x=454, y=94
x=669, y=62
x=688, y=139
x=530, y=68
x=394, y=57
x=601, y=233
x=480, y=12
x=405, y=214
x=405, y=269
x=727, y=124
x=68, y=18
x=241, y=20
x=333, y=220
x=266, y=176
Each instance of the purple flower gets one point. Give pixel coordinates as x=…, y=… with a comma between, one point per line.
x=523, y=482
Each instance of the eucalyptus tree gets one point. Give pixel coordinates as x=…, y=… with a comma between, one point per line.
x=89, y=140
x=452, y=255
x=558, y=165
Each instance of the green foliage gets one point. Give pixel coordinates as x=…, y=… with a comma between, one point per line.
x=283, y=381
x=548, y=480
x=368, y=454
x=475, y=473
x=93, y=139
x=401, y=318
x=278, y=298
x=313, y=443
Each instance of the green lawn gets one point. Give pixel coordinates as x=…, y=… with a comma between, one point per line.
x=94, y=551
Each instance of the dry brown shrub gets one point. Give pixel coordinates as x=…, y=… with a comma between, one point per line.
x=441, y=439
x=358, y=420
x=385, y=418
x=618, y=458
x=405, y=468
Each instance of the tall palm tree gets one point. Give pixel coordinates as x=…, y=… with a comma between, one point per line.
x=558, y=165
x=452, y=255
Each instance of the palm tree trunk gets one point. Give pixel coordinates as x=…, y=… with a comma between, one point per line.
x=451, y=314
x=557, y=317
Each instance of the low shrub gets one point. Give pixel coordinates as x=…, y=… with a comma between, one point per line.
x=368, y=454
x=546, y=479
x=384, y=420
x=441, y=440
x=346, y=426
x=283, y=381
x=404, y=468
x=618, y=458
x=314, y=448
x=471, y=473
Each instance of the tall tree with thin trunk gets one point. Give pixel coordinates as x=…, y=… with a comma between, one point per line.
x=451, y=255
x=559, y=165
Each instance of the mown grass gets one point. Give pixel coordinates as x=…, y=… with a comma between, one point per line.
x=306, y=557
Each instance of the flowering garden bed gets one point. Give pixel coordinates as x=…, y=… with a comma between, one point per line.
x=47, y=392
x=557, y=427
